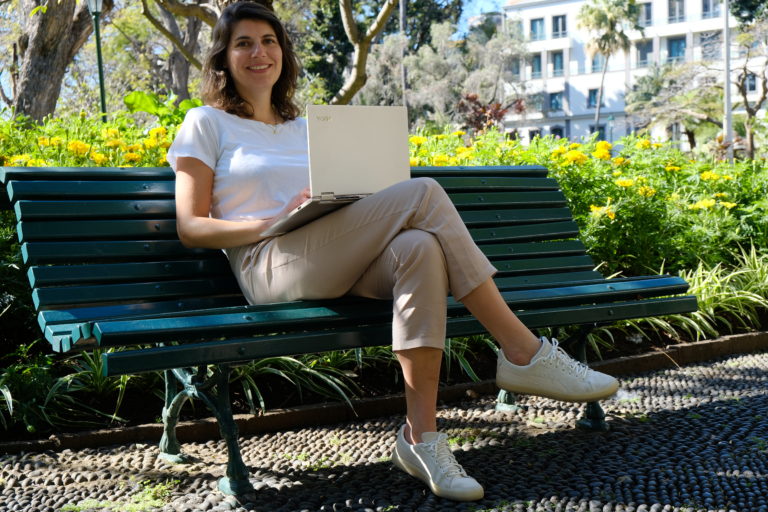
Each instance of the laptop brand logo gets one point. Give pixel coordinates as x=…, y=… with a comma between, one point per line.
x=323, y=118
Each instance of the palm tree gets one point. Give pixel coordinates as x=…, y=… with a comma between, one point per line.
x=608, y=20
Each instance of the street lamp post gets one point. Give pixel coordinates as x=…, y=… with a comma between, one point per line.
x=94, y=7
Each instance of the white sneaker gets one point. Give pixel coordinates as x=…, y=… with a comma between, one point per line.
x=432, y=462
x=554, y=374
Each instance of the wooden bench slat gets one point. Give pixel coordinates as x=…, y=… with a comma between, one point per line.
x=527, y=249
x=61, y=275
x=246, y=349
x=481, y=199
x=543, y=265
x=492, y=183
x=75, y=173
x=35, y=253
x=121, y=332
x=479, y=218
x=530, y=171
x=45, y=189
x=59, y=295
x=523, y=232
x=95, y=229
x=98, y=209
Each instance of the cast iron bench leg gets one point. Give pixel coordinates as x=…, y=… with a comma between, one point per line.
x=594, y=416
x=236, y=480
x=170, y=449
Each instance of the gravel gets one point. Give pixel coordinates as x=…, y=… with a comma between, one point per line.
x=681, y=440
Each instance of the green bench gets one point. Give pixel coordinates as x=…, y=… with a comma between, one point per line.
x=107, y=270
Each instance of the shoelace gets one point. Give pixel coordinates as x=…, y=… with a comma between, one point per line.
x=445, y=459
x=560, y=357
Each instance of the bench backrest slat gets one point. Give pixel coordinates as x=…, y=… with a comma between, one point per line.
x=53, y=189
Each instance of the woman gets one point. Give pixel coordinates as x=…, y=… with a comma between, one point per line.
x=241, y=163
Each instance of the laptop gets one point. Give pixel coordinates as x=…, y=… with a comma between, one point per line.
x=354, y=151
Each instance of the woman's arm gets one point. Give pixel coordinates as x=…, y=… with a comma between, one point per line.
x=194, y=187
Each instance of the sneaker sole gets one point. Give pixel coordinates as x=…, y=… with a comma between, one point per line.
x=593, y=397
x=416, y=473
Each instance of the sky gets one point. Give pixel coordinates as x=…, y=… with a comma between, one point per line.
x=475, y=7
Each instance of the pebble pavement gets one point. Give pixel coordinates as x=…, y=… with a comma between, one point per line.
x=681, y=440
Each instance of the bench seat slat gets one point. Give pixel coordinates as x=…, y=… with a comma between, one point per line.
x=483, y=199
x=477, y=218
x=95, y=229
x=121, y=332
x=51, y=189
x=246, y=349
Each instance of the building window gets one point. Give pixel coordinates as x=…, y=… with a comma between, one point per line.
x=556, y=101
x=514, y=68
x=710, y=45
x=592, y=98
x=557, y=132
x=710, y=8
x=644, y=53
x=532, y=134
x=537, y=29
x=676, y=49
x=557, y=63
x=750, y=82
x=536, y=66
x=646, y=15
x=676, y=11
x=558, y=27
x=600, y=130
x=597, y=63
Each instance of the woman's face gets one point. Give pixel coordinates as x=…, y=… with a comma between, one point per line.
x=254, y=57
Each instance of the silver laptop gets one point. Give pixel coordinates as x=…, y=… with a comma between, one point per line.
x=354, y=151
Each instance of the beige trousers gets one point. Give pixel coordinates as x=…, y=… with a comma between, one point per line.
x=405, y=243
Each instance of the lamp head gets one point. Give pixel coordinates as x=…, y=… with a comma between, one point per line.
x=94, y=6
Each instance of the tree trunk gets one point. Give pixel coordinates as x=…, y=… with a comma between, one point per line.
x=50, y=41
x=600, y=95
x=178, y=65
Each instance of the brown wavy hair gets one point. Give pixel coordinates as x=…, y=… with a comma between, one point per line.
x=218, y=87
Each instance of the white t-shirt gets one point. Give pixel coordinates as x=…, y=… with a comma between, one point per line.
x=257, y=167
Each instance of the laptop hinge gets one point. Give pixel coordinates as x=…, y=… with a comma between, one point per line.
x=327, y=196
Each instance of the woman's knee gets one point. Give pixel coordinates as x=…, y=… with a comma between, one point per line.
x=416, y=242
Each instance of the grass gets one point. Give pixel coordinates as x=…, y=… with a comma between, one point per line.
x=150, y=497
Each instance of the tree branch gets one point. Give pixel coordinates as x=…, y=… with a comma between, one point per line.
x=178, y=43
x=202, y=12
x=348, y=19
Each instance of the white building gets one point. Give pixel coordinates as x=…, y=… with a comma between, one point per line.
x=567, y=79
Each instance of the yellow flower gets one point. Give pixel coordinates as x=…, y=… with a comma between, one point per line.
x=672, y=168
x=604, y=145
x=19, y=160
x=616, y=174
x=441, y=136
x=625, y=182
x=720, y=195
x=643, y=144
x=709, y=175
x=165, y=144
x=44, y=141
x=37, y=162
x=657, y=145
x=559, y=150
x=415, y=162
x=646, y=191
x=149, y=143
x=575, y=157
x=78, y=147
x=56, y=141
x=132, y=157
x=620, y=160
x=726, y=177
x=574, y=145
x=601, y=154
x=702, y=205
x=113, y=143
x=440, y=160
x=162, y=160
x=674, y=196
x=599, y=211
x=158, y=133
x=459, y=133
x=110, y=133
x=133, y=147
x=728, y=205
x=417, y=140
x=99, y=158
